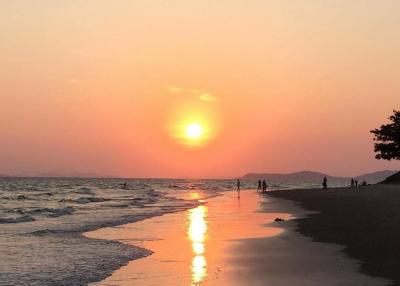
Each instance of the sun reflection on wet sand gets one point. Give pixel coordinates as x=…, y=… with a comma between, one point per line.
x=193, y=247
x=197, y=232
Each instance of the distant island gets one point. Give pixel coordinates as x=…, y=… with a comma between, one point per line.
x=316, y=177
x=393, y=179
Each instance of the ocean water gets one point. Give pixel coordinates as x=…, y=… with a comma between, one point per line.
x=42, y=221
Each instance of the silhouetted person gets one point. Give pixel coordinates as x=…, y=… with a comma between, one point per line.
x=325, y=183
x=356, y=183
x=352, y=183
x=238, y=187
x=125, y=185
x=264, y=186
x=259, y=186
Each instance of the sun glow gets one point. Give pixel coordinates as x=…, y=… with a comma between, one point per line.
x=194, y=131
x=193, y=124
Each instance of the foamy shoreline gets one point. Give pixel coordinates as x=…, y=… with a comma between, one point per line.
x=51, y=250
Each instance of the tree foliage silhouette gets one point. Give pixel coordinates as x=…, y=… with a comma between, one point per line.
x=387, y=138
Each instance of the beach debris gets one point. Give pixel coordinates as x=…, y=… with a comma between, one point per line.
x=279, y=219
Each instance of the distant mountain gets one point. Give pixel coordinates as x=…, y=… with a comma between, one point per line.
x=393, y=179
x=315, y=177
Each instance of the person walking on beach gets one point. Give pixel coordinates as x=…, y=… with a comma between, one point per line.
x=238, y=187
x=325, y=183
x=352, y=183
x=259, y=186
x=356, y=183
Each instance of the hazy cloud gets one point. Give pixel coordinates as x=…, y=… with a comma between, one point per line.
x=174, y=89
x=206, y=97
x=200, y=94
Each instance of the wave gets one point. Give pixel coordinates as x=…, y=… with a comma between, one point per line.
x=85, y=200
x=84, y=191
x=53, y=212
x=46, y=232
x=25, y=218
x=17, y=197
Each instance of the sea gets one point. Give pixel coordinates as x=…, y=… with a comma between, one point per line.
x=42, y=221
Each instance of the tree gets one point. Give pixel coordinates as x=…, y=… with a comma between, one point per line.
x=387, y=139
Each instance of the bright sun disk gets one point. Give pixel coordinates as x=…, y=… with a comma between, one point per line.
x=194, y=130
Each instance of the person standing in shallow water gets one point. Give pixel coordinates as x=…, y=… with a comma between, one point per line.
x=259, y=186
x=238, y=187
x=264, y=186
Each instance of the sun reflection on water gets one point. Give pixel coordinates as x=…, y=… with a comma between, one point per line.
x=197, y=232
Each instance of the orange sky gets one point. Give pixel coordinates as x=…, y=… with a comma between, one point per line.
x=98, y=86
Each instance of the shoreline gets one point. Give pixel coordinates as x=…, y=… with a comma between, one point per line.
x=363, y=221
x=107, y=255
x=265, y=251
x=130, y=252
x=189, y=246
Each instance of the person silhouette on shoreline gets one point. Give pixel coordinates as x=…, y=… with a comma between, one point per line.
x=238, y=187
x=356, y=183
x=259, y=186
x=264, y=186
x=325, y=183
x=352, y=183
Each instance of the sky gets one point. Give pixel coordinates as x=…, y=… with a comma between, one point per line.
x=109, y=87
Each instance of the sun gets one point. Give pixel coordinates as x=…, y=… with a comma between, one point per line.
x=194, y=131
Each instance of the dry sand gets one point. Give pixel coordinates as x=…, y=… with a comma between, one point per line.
x=365, y=220
x=227, y=243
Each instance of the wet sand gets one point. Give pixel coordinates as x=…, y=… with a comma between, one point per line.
x=226, y=242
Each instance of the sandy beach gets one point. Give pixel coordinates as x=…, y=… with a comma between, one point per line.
x=231, y=241
x=364, y=220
